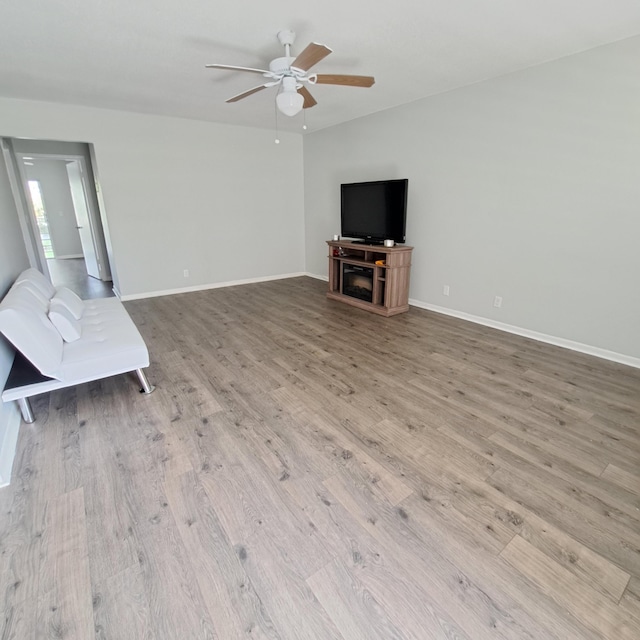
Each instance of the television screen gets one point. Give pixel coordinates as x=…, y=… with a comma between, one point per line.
x=374, y=211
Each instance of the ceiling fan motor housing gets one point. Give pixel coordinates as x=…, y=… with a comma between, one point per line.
x=281, y=66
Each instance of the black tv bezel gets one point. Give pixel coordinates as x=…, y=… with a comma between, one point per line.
x=373, y=239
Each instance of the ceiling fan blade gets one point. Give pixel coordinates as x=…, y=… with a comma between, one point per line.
x=349, y=81
x=310, y=56
x=232, y=68
x=309, y=100
x=246, y=94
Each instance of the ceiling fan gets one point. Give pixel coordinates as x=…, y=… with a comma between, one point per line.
x=293, y=74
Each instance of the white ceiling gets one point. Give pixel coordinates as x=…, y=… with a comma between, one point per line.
x=149, y=55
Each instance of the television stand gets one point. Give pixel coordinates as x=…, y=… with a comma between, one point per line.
x=370, y=277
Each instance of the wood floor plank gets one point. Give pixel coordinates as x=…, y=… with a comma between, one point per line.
x=175, y=603
x=351, y=607
x=408, y=605
x=623, y=478
x=599, y=532
x=601, y=574
x=513, y=451
x=594, y=491
x=341, y=453
x=435, y=446
x=522, y=611
x=174, y=599
x=568, y=591
x=573, y=394
x=235, y=607
x=283, y=592
x=21, y=526
x=613, y=428
x=188, y=389
x=585, y=460
x=120, y=607
x=476, y=613
x=19, y=622
x=38, y=481
x=317, y=504
x=110, y=517
x=630, y=601
x=340, y=534
x=504, y=390
x=64, y=602
x=265, y=512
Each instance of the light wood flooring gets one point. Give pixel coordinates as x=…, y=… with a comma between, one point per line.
x=306, y=470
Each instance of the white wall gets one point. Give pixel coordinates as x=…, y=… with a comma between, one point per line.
x=526, y=187
x=224, y=202
x=13, y=259
x=56, y=195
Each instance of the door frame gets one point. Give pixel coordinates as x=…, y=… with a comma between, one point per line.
x=26, y=214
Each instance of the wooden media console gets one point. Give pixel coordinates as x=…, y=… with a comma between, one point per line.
x=370, y=277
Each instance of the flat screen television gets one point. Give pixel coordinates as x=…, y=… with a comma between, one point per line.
x=374, y=211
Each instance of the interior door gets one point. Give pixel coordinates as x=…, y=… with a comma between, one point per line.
x=81, y=208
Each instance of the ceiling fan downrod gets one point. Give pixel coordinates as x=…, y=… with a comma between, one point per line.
x=287, y=38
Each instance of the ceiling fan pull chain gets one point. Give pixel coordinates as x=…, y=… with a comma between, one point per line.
x=275, y=115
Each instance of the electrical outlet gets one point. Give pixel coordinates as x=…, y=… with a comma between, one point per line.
x=185, y=273
x=497, y=302
x=445, y=290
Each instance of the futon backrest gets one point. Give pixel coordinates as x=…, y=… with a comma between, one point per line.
x=24, y=322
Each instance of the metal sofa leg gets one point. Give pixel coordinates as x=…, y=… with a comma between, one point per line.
x=144, y=383
x=25, y=409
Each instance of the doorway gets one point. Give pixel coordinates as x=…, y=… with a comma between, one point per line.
x=63, y=216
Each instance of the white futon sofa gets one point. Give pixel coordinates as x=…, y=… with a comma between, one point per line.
x=62, y=341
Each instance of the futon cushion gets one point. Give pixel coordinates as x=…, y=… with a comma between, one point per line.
x=37, y=280
x=37, y=294
x=110, y=344
x=68, y=327
x=70, y=300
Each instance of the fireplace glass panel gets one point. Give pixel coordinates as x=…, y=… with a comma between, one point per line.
x=357, y=282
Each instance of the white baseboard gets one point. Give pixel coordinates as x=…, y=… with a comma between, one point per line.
x=317, y=277
x=204, y=287
x=534, y=335
x=12, y=418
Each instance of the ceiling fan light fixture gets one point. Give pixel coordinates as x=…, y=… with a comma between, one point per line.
x=289, y=101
